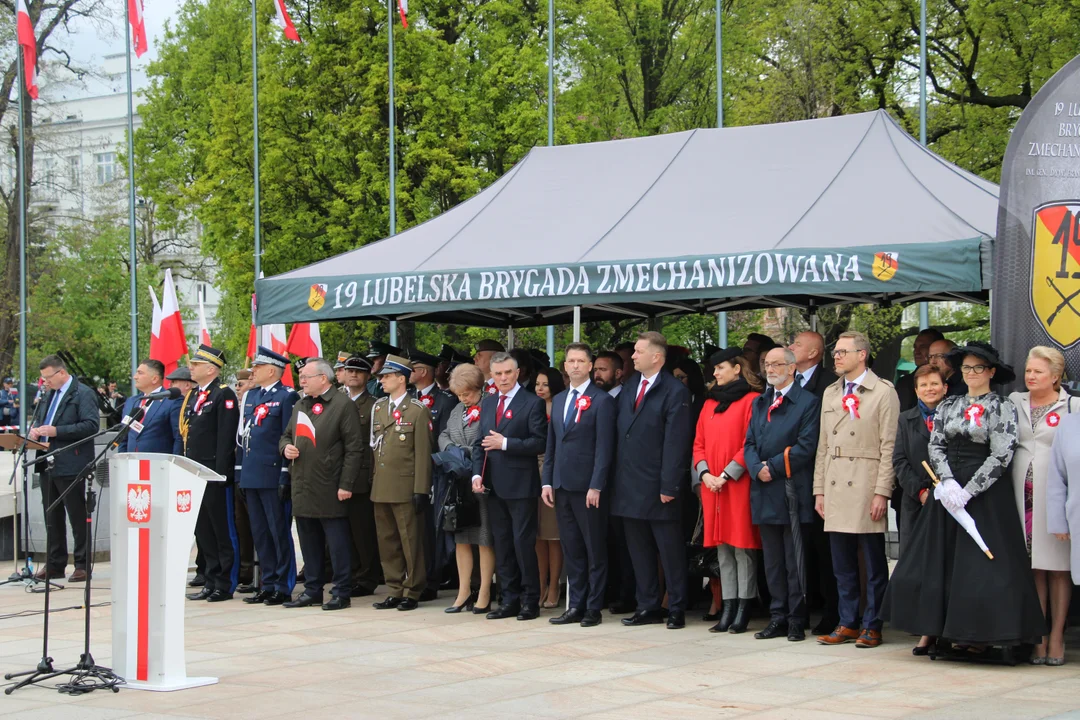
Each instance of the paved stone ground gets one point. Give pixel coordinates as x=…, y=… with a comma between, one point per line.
x=365, y=663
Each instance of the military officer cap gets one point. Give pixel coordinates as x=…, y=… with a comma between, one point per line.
x=207, y=354
x=243, y=374
x=265, y=356
x=9, y=381
x=396, y=364
x=419, y=357
x=490, y=345
x=378, y=349
x=180, y=373
x=540, y=358
x=341, y=358
x=454, y=356
x=358, y=362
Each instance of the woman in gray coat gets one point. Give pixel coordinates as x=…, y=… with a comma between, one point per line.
x=1063, y=500
x=462, y=427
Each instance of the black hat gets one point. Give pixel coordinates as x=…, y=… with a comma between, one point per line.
x=765, y=343
x=726, y=355
x=490, y=345
x=540, y=358
x=454, y=357
x=984, y=351
x=356, y=362
x=423, y=358
x=207, y=354
x=377, y=348
x=709, y=351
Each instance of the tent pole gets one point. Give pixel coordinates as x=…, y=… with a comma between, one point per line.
x=24, y=383
x=255, y=116
x=551, y=128
x=924, y=307
x=393, y=332
x=551, y=342
x=721, y=318
x=577, y=324
x=721, y=321
x=814, y=321
x=509, y=338
x=393, y=169
x=133, y=290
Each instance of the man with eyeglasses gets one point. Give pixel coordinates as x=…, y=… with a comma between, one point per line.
x=954, y=381
x=68, y=413
x=853, y=482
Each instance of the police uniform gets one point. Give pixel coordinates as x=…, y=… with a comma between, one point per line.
x=401, y=439
x=264, y=478
x=208, y=420
x=366, y=567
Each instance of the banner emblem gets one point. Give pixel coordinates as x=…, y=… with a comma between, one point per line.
x=1055, y=270
x=885, y=265
x=317, y=296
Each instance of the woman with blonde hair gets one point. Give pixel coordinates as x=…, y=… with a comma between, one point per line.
x=1040, y=411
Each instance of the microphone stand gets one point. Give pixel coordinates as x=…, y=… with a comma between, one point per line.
x=87, y=676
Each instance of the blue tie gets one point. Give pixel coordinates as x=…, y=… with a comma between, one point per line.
x=570, y=409
x=52, y=408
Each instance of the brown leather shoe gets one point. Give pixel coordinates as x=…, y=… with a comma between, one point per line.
x=52, y=575
x=78, y=576
x=839, y=636
x=868, y=639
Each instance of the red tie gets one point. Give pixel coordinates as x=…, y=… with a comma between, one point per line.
x=641, y=394
x=499, y=411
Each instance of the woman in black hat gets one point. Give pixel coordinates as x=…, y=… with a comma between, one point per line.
x=944, y=585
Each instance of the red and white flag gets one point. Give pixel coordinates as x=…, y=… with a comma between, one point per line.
x=28, y=44
x=304, y=340
x=204, y=329
x=304, y=428
x=403, y=9
x=253, y=333
x=138, y=27
x=173, y=339
x=274, y=338
x=282, y=20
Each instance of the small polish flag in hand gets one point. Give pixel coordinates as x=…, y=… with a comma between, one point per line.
x=304, y=428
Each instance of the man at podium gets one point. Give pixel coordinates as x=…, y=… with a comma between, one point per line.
x=159, y=429
x=208, y=420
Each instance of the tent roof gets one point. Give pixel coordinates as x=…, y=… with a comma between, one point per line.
x=742, y=203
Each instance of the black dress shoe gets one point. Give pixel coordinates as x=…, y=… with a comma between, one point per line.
x=387, y=603
x=529, y=611
x=201, y=595
x=742, y=618
x=592, y=618
x=505, y=611
x=277, y=598
x=775, y=628
x=338, y=603
x=618, y=608
x=197, y=581
x=477, y=610
x=361, y=592
x=676, y=620
x=429, y=594
x=573, y=615
x=408, y=604
x=219, y=596
x=304, y=600
x=245, y=588
x=795, y=632
x=644, y=617
x=258, y=597
x=727, y=615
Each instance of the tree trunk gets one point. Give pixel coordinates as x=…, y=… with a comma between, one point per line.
x=9, y=285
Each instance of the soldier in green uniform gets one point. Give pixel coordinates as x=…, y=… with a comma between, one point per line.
x=401, y=439
x=377, y=354
x=366, y=568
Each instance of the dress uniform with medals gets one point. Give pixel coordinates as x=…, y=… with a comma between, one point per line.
x=366, y=567
x=264, y=478
x=209, y=417
x=401, y=438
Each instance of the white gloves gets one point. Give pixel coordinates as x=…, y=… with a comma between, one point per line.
x=951, y=495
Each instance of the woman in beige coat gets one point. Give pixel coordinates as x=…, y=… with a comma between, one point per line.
x=1040, y=410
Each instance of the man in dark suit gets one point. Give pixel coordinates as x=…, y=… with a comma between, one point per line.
x=651, y=470
x=513, y=433
x=811, y=375
x=160, y=424
x=577, y=463
x=781, y=444
x=920, y=354
x=71, y=414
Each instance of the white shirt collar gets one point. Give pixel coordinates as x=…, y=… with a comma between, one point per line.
x=426, y=391
x=786, y=390
x=155, y=390
x=204, y=388
x=614, y=392
x=807, y=374
x=570, y=392
x=353, y=397
x=271, y=386
x=651, y=380
x=395, y=404
x=858, y=381
x=510, y=395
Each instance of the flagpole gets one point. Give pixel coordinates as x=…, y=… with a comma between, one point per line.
x=393, y=169
x=24, y=385
x=721, y=318
x=131, y=206
x=551, y=131
x=255, y=105
x=924, y=307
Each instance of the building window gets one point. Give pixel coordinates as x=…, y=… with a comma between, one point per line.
x=48, y=176
x=106, y=167
x=72, y=171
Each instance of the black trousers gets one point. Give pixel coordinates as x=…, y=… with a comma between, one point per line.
x=316, y=534
x=621, y=583
x=365, y=568
x=513, y=529
x=646, y=539
x=583, y=532
x=213, y=532
x=74, y=504
x=245, y=542
x=782, y=573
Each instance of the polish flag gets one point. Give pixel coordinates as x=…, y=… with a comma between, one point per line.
x=304, y=340
x=253, y=333
x=304, y=428
x=138, y=27
x=28, y=43
x=204, y=330
x=173, y=339
x=282, y=20
x=274, y=338
x=403, y=8
x=155, y=335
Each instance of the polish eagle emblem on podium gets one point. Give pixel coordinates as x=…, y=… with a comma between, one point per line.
x=183, y=501
x=138, y=503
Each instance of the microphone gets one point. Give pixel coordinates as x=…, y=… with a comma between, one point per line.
x=172, y=393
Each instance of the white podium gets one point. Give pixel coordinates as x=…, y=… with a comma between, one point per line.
x=155, y=501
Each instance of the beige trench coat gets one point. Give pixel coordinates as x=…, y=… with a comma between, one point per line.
x=854, y=456
x=1047, y=552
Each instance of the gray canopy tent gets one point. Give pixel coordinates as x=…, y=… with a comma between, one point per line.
x=802, y=214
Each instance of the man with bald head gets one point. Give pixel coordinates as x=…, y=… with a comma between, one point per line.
x=809, y=349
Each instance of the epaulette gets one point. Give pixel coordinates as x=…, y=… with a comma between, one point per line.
x=418, y=403
x=382, y=399
x=223, y=386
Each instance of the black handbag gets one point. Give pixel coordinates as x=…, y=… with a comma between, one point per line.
x=460, y=510
x=703, y=561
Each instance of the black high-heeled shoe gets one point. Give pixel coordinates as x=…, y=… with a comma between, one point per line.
x=711, y=616
x=477, y=610
x=466, y=606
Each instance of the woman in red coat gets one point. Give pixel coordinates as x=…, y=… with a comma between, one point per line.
x=725, y=494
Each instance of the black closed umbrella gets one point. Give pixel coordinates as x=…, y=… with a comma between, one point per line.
x=796, y=526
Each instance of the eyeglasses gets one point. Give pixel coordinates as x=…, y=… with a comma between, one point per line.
x=976, y=369
x=47, y=378
x=844, y=353
x=936, y=356
x=308, y=377
x=776, y=366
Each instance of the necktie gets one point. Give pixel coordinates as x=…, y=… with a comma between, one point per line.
x=850, y=388
x=570, y=408
x=641, y=394
x=499, y=410
x=799, y=379
x=52, y=407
